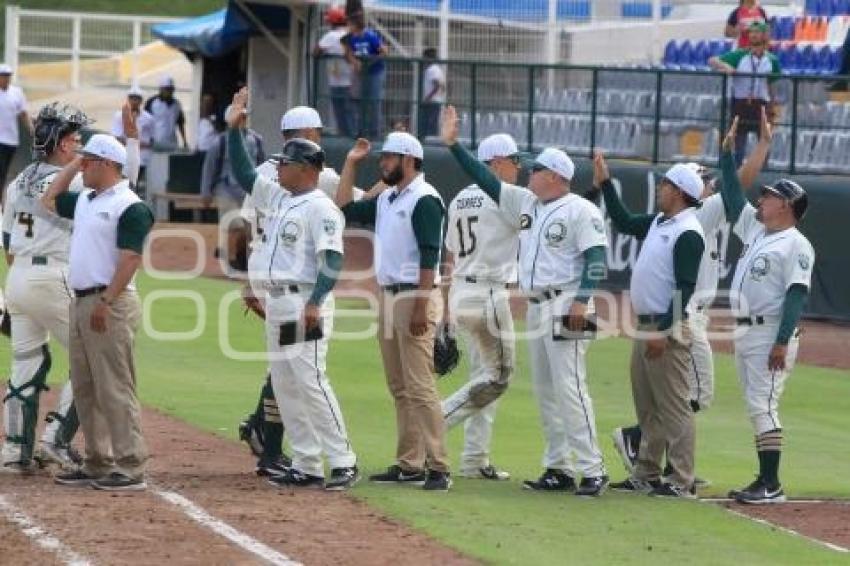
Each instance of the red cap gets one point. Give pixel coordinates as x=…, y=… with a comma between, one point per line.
x=335, y=16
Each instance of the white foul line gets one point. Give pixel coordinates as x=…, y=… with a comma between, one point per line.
x=221, y=528
x=767, y=523
x=40, y=536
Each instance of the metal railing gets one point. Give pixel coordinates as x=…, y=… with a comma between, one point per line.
x=654, y=115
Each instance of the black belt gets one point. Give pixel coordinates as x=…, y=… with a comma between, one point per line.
x=283, y=289
x=547, y=295
x=80, y=293
x=39, y=260
x=473, y=279
x=750, y=321
x=400, y=288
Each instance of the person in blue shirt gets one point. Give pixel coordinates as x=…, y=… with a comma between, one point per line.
x=365, y=51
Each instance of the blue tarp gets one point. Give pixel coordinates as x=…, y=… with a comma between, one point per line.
x=215, y=34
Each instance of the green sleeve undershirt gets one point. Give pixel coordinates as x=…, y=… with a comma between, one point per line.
x=687, y=254
x=730, y=188
x=480, y=173
x=427, y=220
x=7, y=240
x=594, y=265
x=792, y=308
x=635, y=224
x=66, y=204
x=134, y=225
x=362, y=211
x=241, y=164
x=330, y=265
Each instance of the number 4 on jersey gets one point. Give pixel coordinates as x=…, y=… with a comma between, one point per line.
x=473, y=240
x=26, y=219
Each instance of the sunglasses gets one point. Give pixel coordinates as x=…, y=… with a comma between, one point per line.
x=537, y=168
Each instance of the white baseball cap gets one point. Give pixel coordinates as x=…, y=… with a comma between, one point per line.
x=403, y=144
x=5, y=69
x=686, y=180
x=166, y=82
x=135, y=91
x=105, y=147
x=557, y=161
x=497, y=145
x=299, y=118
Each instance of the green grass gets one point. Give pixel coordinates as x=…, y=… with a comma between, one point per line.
x=501, y=523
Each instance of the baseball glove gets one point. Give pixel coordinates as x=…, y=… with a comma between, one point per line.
x=446, y=353
x=252, y=303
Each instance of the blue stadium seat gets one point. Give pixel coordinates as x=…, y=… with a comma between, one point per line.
x=685, y=50
x=808, y=60
x=671, y=51
x=700, y=55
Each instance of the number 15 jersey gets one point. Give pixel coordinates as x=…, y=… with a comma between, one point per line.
x=484, y=243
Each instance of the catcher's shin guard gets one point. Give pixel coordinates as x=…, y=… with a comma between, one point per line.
x=63, y=423
x=272, y=423
x=20, y=415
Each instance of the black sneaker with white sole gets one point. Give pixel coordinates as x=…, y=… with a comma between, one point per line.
x=733, y=493
x=74, y=478
x=295, y=478
x=267, y=467
x=342, y=478
x=626, y=447
x=551, y=480
x=759, y=493
x=437, y=481
x=395, y=474
x=674, y=491
x=634, y=485
x=488, y=472
x=117, y=481
x=592, y=486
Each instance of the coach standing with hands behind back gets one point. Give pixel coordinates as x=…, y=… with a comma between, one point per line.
x=110, y=227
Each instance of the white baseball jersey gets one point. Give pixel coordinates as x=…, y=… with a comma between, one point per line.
x=144, y=123
x=770, y=263
x=711, y=216
x=553, y=236
x=32, y=231
x=297, y=228
x=483, y=241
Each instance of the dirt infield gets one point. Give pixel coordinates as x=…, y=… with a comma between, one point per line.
x=217, y=475
x=825, y=521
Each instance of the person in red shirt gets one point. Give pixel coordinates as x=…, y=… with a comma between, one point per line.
x=741, y=18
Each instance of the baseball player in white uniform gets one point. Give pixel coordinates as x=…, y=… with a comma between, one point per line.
x=301, y=258
x=769, y=291
x=712, y=217
x=483, y=247
x=561, y=258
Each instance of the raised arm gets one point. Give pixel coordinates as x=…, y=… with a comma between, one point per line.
x=345, y=190
x=624, y=221
x=730, y=185
x=750, y=169
x=241, y=163
x=60, y=184
x=486, y=180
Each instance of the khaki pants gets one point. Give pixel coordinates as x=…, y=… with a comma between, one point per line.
x=409, y=368
x=660, y=388
x=104, y=379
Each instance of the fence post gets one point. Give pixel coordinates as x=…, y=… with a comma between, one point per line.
x=76, y=32
x=444, y=29
x=12, y=37
x=793, y=157
x=656, y=134
x=594, y=89
x=473, y=106
x=530, y=131
x=137, y=43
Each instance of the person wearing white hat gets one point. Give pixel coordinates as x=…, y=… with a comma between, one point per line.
x=13, y=111
x=168, y=117
x=408, y=219
x=482, y=246
x=144, y=123
x=562, y=257
x=663, y=281
x=111, y=224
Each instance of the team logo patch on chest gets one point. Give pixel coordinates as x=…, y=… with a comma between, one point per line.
x=598, y=225
x=804, y=262
x=760, y=267
x=290, y=233
x=525, y=221
x=556, y=234
x=329, y=226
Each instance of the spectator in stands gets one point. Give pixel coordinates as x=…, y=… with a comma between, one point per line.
x=750, y=93
x=845, y=66
x=433, y=94
x=747, y=13
x=217, y=180
x=13, y=111
x=144, y=123
x=208, y=125
x=365, y=51
x=338, y=69
x=167, y=115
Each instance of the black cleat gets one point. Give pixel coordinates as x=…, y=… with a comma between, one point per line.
x=551, y=480
x=633, y=485
x=592, y=486
x=437, y=481
x=273, y=467
x=674, y=491
x=119, y=482
x=74, y=478
x=295, y=478
x=759, y=493
x=624, y=443
x=342, y=478
x=395, y=474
